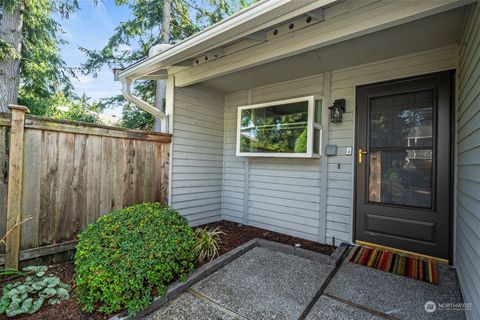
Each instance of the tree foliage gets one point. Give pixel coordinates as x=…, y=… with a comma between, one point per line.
x=7, y=51
x=43, y=72
x=132, y=116
x=142, y=30
x=45, y=79
x=133, y=38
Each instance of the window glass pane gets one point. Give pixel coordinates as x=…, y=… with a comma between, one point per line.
x=318, y=112
x=316, y=141
x=280, y=128
x=401, y=177
x=403, y=120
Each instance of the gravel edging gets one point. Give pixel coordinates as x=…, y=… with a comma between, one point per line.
x=178, y=287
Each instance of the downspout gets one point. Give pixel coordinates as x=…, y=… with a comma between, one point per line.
x=127, y=94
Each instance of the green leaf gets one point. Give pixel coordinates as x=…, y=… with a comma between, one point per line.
x=7, y=52
x=10, y=272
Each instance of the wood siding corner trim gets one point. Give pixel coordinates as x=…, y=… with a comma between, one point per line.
x=327, y=78
x=467, y=217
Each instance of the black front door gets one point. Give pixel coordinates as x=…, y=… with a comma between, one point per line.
x=403, y=164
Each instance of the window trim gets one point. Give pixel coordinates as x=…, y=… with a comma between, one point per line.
x=311, y=125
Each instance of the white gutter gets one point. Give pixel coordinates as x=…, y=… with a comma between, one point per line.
x=250, y=20
x=127, y=93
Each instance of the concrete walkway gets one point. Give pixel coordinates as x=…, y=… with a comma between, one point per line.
x=393, y=295
x=265, y=284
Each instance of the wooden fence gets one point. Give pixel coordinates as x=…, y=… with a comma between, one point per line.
x=72, y=174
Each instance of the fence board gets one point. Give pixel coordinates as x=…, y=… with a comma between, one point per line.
x=48, y=187
x=106, y=176
x=138, y=164
x=128, y=195
x=148, y=173
x=80, y=182
x=119, y=173
x=94, y=169
x=74, y=173
x=64, y=193
x=4, y=132
x=31, y=194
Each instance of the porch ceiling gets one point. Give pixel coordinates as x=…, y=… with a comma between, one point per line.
x=420, y=35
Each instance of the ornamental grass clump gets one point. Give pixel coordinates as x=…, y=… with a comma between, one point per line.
x=207, y=244
x=130, y=254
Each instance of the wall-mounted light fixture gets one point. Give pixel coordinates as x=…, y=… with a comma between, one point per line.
x=337, y=111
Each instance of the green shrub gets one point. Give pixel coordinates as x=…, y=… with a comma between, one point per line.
x=129, y=254
x=207, y=243
x=27, y=296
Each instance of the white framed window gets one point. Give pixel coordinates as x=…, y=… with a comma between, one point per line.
x=286, y=128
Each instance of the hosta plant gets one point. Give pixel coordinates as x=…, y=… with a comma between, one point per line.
x=207, y=244
x=26, y=296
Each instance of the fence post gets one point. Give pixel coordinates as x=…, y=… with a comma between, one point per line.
x=15, y=185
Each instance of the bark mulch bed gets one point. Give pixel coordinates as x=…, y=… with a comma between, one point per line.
x=235, y=235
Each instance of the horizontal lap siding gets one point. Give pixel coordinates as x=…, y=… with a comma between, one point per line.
x=234, y=167
x=197, y=154
x=340, y=180
x=284, y=194
x=272, y=193
x=467, y=251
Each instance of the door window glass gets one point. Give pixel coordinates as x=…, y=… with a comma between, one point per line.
x=401, y=149
x=401, y=177
x=403, y=120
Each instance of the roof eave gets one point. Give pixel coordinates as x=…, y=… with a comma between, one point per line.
x=257, y=17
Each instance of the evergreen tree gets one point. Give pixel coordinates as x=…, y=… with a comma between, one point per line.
x=141, y=32
x=32, y=71
x=11, y=23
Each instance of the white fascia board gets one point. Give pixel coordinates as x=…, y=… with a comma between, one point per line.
x=317, y=36
x=255, y=18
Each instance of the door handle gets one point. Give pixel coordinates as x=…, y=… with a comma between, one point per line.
x=360, y=155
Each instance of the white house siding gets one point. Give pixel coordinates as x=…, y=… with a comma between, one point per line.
x=272, y=193
x=343, y=83
x=467, y=249
x=197, y=154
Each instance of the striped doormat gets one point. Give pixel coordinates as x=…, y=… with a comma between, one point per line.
x=403, y=265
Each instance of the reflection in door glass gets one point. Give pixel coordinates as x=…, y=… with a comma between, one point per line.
x=401, y=178
x=403, y=120
x=401, y=149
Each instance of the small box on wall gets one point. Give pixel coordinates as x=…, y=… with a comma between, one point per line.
x=330, y=150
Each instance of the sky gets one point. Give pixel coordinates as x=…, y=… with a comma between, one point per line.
x=91, y=27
